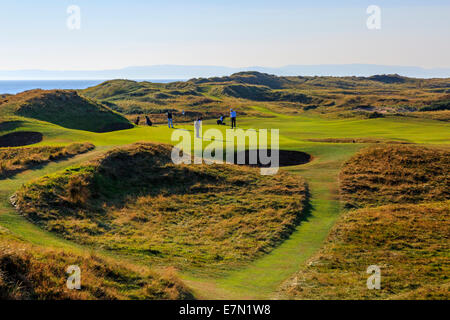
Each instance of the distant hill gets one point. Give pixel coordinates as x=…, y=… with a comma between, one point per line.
x=64, y=108
x=187, y=72
x=392, y=78
x=212, y=97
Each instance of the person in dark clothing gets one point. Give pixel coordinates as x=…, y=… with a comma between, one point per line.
x=220, y=121
x=136, y=122
x=233, y=118
x=148, y=121
x=169, y=119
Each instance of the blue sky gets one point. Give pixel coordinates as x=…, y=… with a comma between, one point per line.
x=117, y=34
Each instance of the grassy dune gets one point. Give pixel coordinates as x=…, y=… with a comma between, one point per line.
x=407, y=237
x=408, y=242
x=39, y=273
x=64, y=108
x=342, y=97
x=14, y=160
x=135, y=201
x=396, y=174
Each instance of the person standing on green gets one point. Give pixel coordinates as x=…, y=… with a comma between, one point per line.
x=169, y=119
x=233, y=118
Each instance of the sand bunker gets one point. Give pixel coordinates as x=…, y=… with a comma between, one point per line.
x=18, y=139
x=287, y=158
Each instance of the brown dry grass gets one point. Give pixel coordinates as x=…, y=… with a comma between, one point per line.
x=335, y=96
x=410, y=243
x=395, y=174
x=356, y=140
x=15, y=160
x=407, y=237
x=135, y=200
x=65, y=108
x=33, y=273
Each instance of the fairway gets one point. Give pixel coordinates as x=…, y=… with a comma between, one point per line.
x=262, y=278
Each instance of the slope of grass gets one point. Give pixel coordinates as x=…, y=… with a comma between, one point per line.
x=336, y=96
x=134, y=200
x=407, y=237
x=408, y=242
x=396, y=174
x=36, y=273
x=14, y=160
x=64, y=108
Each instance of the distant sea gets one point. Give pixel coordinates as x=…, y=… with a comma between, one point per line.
x=16, y=86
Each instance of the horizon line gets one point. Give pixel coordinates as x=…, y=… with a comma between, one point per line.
x=225, y=66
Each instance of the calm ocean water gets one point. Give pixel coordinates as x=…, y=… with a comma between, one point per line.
x=16, y=86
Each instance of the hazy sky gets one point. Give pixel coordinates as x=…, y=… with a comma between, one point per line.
x=116, y=34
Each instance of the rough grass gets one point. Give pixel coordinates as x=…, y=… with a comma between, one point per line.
x=410, y=243
x=356, y=140
x=65, y=108
x=34, y=273
x=134, y=200
x=395, y=174
x=15, y=160
x=407, y=237
x=339, y=96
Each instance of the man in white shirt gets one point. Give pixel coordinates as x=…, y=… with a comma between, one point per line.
x=198, y=127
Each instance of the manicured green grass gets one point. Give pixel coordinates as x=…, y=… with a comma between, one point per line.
x=262, y=278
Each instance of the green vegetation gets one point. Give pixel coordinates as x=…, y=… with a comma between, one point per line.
x=64, y=108
x=14, y=160
x=438, y=106
x=409, y=242
x=371, y=97
x=135, y=200
x=125, y=213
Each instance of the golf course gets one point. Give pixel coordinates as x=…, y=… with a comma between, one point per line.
x=101, y=192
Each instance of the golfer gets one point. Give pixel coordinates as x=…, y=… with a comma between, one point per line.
x=233, y=118
x=169, y=119
x=198, y=127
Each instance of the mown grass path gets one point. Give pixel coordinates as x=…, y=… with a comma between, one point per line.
x=261, y=279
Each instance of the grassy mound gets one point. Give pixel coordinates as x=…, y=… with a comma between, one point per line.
x=396, y=174
x=135, y=200
x=33, y=273
x=408, y=242
x=357, y=140
x=67, y=109
x=259, y=93
x=407, y=236
x=14, y=160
